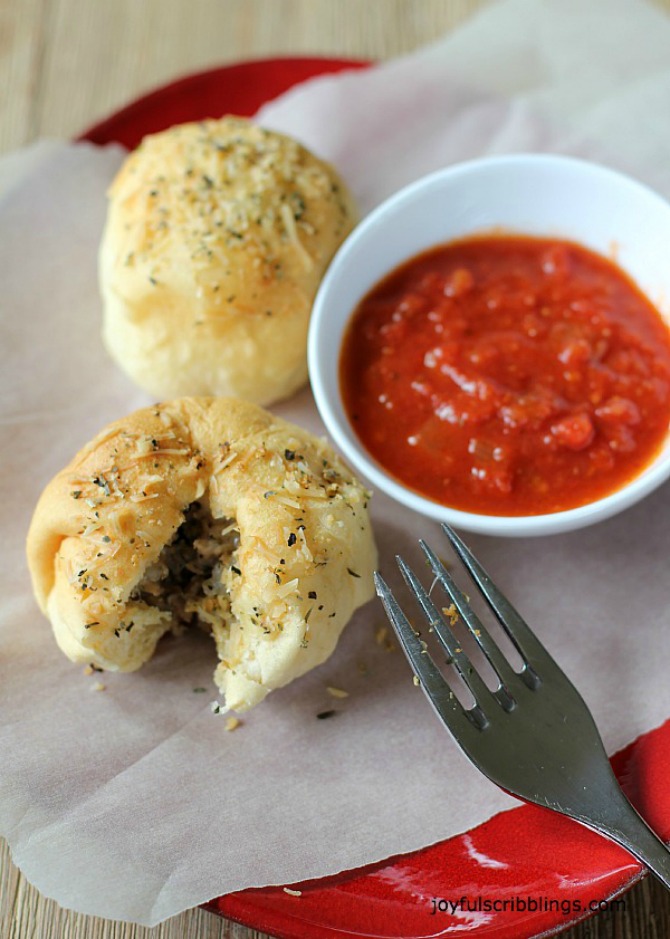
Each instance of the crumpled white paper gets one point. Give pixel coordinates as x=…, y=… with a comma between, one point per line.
x=589, y=79
x=133, y=802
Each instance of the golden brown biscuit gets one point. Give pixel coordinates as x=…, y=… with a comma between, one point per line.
x=218, y=235
x=207, y=512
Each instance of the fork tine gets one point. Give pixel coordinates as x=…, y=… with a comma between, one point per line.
x=525, y=642
x=504, y=671
x=459, y=721
x=457, y=657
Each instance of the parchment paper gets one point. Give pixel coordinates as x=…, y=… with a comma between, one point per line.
x=133, y=802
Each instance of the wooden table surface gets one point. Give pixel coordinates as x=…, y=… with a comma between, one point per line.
x=65, y=64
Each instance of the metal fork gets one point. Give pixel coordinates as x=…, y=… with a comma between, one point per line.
x=533, y=734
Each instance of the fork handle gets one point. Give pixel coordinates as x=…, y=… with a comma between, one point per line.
x=621, y=822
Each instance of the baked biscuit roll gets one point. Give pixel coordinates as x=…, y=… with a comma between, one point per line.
x=207, y=512
x=217, y=237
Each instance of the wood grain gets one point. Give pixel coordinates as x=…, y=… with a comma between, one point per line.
x=65, y=64
x=59, y=79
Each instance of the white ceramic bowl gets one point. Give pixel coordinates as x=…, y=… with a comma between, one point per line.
x=532, y=194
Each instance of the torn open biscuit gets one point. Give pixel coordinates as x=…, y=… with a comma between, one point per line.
x=204, y=512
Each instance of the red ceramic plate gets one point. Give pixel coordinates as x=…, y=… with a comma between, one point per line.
x=525, y=873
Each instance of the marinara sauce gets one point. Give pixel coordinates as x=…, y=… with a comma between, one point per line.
x=508, y=375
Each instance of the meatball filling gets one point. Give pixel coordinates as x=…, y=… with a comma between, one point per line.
x=193, y=577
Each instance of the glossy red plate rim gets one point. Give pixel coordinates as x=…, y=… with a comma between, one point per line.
x=239, y=88
x=538, y=872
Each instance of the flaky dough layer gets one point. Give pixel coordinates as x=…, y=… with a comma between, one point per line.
x=217, y=237
x=302, y=552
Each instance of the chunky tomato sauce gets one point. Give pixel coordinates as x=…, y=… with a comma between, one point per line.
x=508, y=375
